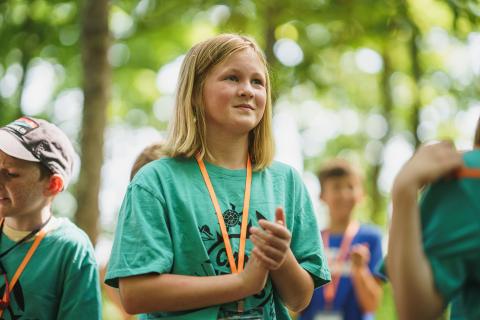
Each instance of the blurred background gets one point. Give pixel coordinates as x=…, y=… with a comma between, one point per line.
x=364, y=80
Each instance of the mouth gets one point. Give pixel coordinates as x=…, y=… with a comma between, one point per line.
x=245, y=106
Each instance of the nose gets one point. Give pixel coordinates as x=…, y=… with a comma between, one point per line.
x=245, y=90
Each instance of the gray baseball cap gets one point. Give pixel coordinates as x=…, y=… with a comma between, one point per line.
x=38, y=140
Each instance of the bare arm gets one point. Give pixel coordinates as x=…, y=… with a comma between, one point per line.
x=294, y=284
x=149, y=293
x=407, y=265
x=367, y=288
x=272, y=247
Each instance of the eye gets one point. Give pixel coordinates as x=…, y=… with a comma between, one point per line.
x=258, y=82
x=12, y=175
x=231, y=78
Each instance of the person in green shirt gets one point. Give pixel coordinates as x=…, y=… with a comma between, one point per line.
x=47, y=265
x=218, y=230
x=434, y=258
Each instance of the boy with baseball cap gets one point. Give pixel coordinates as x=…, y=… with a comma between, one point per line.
x=47, y=264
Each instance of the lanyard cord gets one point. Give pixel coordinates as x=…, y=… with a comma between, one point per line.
x=465, y=172
x=330, y=290
x=243, y=230
x=5, y=301
x=24, y=239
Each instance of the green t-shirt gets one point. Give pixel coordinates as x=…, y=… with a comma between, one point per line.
x=450, y=216
x=60, y=281
x=167, y=224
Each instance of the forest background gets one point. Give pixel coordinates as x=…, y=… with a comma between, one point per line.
x=365, y=80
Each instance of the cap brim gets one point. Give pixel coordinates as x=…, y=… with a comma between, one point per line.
x=14, y=148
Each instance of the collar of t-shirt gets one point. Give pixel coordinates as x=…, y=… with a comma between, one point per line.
x=17, y=235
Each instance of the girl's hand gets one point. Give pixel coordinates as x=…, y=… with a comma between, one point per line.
x=272, y=242
x=254, y=276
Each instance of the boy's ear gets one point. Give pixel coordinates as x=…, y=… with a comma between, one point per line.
x=55, y=185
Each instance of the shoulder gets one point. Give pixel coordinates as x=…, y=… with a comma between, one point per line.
x=163, y=171
x=68, y=240
x=163, y=166
x=284, y=170
x=370, y=231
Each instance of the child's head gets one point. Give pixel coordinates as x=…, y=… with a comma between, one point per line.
x=341, y=188
x=152, y=152
x=188, y=129
x=36, y=162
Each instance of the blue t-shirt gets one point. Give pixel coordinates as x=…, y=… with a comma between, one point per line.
x=345, y=300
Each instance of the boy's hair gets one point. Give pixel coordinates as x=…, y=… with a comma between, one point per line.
x=187, y=132
x=476, y=141
x=150, y=153
x=336, y=168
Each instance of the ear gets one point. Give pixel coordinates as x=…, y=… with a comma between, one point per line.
x=360, y=194
x=55, y=185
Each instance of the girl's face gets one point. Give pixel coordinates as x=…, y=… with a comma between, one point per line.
x=234, y=94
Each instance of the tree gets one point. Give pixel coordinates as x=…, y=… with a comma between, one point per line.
x=96, y=88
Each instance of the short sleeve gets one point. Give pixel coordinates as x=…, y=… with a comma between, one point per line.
x=142, y=241
x=81, y=297
x=376, y=254
x=306, y=243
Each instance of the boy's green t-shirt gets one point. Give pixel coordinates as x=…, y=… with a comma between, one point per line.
x=60, y=281
x=450, y=216
x=167, y=224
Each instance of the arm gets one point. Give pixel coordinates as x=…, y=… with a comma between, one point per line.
x=153, y=292
x=408, y=267
x=272, y=247
x=367, y=288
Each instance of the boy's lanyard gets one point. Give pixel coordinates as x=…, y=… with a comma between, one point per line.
x=330, y=290
x=243, y=230
x=40, y=234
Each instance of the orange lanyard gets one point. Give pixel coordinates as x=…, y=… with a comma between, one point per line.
x=243, y=230
x=330, y=290
x=9, y=286
x=465, y=172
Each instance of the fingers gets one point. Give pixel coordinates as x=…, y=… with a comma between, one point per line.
x=271, y=240
x=280, y=216
x=265, y=260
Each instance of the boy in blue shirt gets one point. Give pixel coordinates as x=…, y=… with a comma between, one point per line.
x=352, y=249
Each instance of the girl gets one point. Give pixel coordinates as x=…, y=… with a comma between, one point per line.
x=195, y=238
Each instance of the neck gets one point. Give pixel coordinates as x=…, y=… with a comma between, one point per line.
x=228, y=152
x=339, y=226
x=29, y=223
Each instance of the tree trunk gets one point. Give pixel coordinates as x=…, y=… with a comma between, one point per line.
x=96, y=88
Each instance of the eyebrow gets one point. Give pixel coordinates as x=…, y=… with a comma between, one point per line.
x=236, y=70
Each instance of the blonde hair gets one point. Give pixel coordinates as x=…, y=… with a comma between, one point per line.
x=187, y=132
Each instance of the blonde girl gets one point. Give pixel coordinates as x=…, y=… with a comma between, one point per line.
x=218, y=230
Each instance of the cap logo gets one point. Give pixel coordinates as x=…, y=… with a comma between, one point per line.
x=23, y=126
